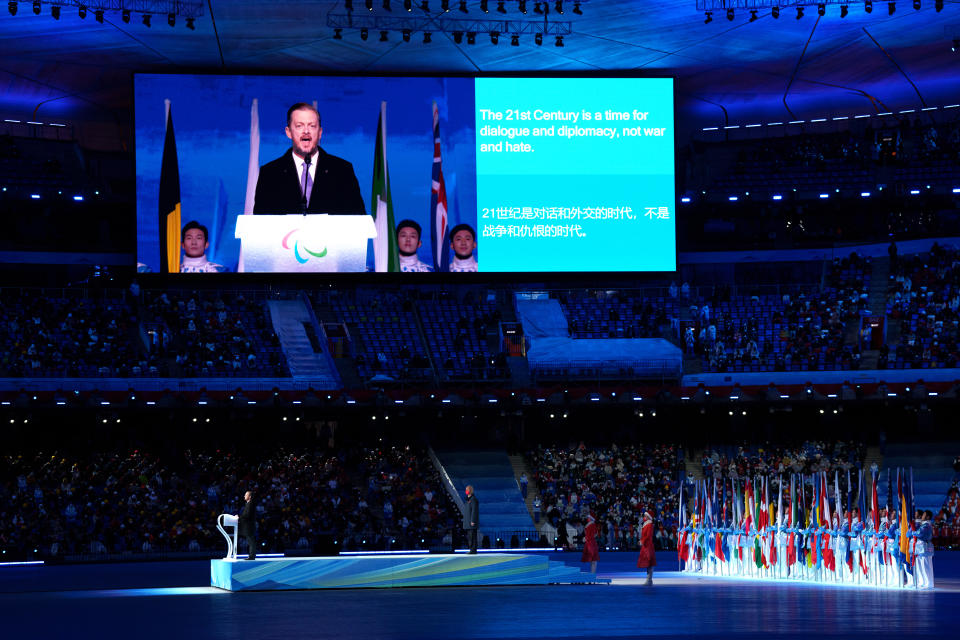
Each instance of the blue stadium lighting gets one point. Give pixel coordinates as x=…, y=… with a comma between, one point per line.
x=841, y=118
x=732, y=126
x=751, y=126
x=733, y=198
x=35, y=196
x=819, y=120
x=637, y=398
x=296, y=402
x=684, y=199
x=351, y=401
x=12, y=121
x=952, y=106
x=777, y=197
x=57, y=124
x=796, y=122
x=78, y=198
x=492, y=401
x=929, y=109
x=774, y=124
x=710, y=128
x=891, y=395
x=886, y=113
x=151, y=402
x=202, y=402
x=862, y=115
x=541, y=399
x=398, y=402
x=61, y=402
x=6, y=403
x=933, y=393
x=914, y=192
x=25, y=562
x=446, y=401
x=956, y=190
x=864, y=194
x=824, y=196
x=908, y=111
x=104, y=403
x=251, y=402
x=31, y=122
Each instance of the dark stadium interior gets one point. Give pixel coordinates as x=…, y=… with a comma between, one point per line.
x=811, y=326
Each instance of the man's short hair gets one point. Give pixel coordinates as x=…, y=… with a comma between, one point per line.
x=193, y=224
x=412, y=225
x=463, y=227
x=298, y=107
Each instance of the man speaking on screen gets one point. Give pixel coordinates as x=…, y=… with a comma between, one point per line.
x=307, y=179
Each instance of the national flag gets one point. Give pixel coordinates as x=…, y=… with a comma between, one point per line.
x=253, y=163
x=169, y=200
x=904, y=524
x=385, y=253
x=792, y=523
x=438, y=204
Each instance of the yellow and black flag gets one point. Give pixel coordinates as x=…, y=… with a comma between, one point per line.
x=169, y=202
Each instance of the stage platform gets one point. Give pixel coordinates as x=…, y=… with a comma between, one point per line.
x=391, y=571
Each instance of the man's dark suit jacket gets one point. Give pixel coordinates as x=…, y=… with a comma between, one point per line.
x=471, y=513
x=247, y=523
x=335, y=187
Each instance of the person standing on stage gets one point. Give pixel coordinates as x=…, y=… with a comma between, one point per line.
x=471, y=517
x=647, y=558
x=591, y=552
x=247, y=525
x=924, y=551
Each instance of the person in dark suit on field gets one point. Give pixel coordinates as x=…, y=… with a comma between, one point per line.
x=247, y=524
x=471, y=517
x=307, y=179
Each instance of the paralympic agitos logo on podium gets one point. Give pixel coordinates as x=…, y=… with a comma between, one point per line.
x=301, y=252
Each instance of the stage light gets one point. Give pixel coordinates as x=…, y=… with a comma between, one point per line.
x=146, y=19
x=753, y=15
x=868, y=6
x=384, y=36
x=576, y=9
x=538, y=39
x=844, y=10
x=494, y=37
x=98, y=15
x=558, y=42
x=916, y=5
x=364, y=34
x=125, y=16
x=190, y=24
x=891, y=8
x=55, y=12
x=558, y=6
x=172, y=19
x=338, y=34
x=406, y=35
x=515, y=40
x=799, y=12
x=458, y=36
x=36, y=7
x=500, y=7
x=472, y=37
x=427, y=37
x=484, y=6
x=775, y=12
x=821, y=9
x=463, y=6
x=708, y=17
x=730, y=15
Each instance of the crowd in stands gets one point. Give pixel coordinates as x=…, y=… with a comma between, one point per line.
x=213, y=335
x=615, y=484
x=924, y=299
x=135, y=501
x=615, y=314
x=43, y=336
x=810, y=457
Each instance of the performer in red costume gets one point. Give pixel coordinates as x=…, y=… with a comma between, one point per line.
x=647, y=557
x=591, y=553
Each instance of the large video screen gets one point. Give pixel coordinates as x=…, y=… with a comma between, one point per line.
x=404, y=174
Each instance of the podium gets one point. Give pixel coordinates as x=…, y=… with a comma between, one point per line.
x=315, y=243
x=229, y=520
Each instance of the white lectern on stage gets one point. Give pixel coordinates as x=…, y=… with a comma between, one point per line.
x=304, y=243
x=227, y=520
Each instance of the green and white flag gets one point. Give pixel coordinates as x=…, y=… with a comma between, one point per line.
x=385, y=253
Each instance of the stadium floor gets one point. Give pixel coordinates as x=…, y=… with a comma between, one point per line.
x=173, y=599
